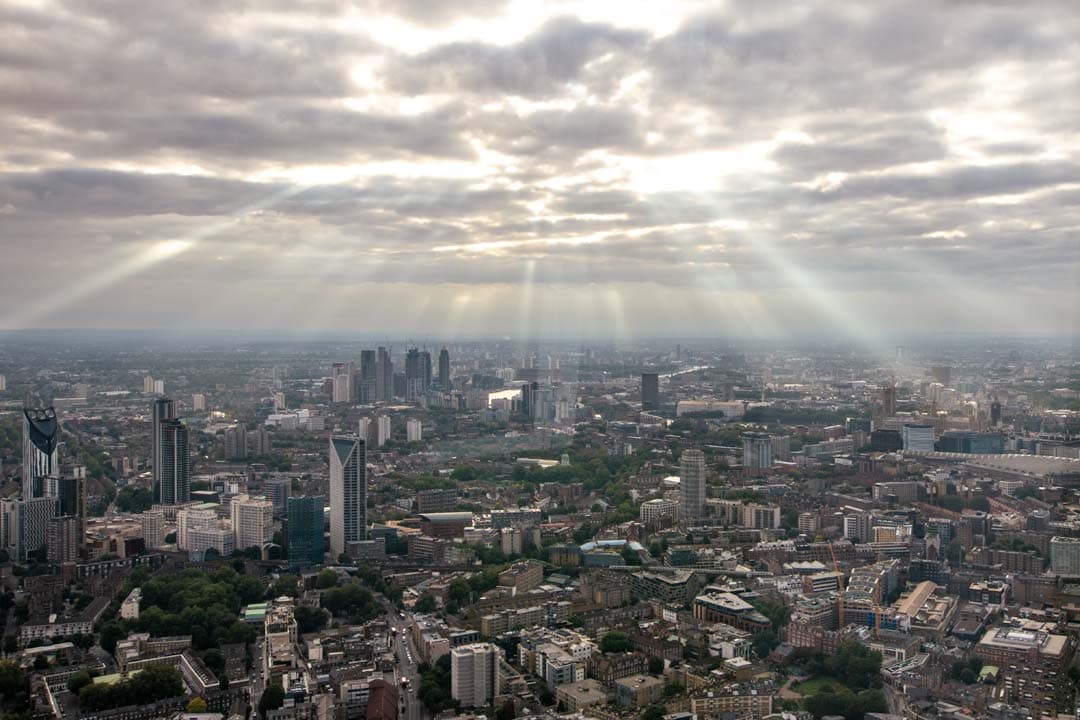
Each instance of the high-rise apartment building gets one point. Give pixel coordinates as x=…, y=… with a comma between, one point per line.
x=63, y=538
x=278, y=490
x=3, y=383
x=304, y=530
x=757, y=451
x=368, y=384
x=41, y=465
x=172, y=465
x=474, y=674
x=414, y=430
x=198, y=402
x=859, y=526
x=692, y=485
x=888, y=400
x=153, y=528
x=348, y=492
x=236, y=443
x=417, y=373
x=279, y=401
x=384, y=375
x=24, y=525
x=382, y=430
x=252, y=521
x=342, y=376
x=650, y=391
x=444, y=370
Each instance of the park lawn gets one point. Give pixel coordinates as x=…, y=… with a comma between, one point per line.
x=814, y=685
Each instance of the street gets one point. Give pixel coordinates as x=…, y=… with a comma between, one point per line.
x=407, y=661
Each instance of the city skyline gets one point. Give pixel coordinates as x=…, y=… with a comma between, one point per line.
x=585, y=170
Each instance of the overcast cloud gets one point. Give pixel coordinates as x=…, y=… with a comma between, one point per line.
x=619, y=169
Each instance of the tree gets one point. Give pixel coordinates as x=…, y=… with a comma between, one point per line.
x=954, y=551
x=653, y=712
x=78, y=681
x=426, y=603
x=629, y=556
x=111, y=633
x=326, y=579
x=615, y=642
x=506, y=712
x=309, y=619
x=272, y=699
x=285, y=586
x=197, y=705
x=764, y=643
x=656, y=665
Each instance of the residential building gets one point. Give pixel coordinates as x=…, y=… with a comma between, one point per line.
x=41, y=465
x=474, y=674
x=172, y=465
x=252, y=521
x=414, y=430
x=348, y=492
x=1065, y=556
x=650, y=391
x=692, y=485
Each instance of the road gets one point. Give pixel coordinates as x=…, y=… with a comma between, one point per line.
x=412, y=708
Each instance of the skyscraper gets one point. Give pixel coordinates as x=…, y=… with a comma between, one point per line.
x=995, y=413
x=342, y=374
x=650, y=391
x=888, y=400
x=414, y=430
x=368, y=389
x=384, y=375
x=757, y=451
x=382, y=430
x=172, y=464
x=348, y=492
x=444, y=369
x=305, y=530
x=417, y=373
x=41, y=466
x=692, y=485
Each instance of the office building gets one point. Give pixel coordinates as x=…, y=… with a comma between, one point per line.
x=279, y=402
x=198, y=402
x=172, y=467
x=1065, y=556
x=348, y=493
x=650, y=391
x=1032, y=665
x=436, y=500
x=382, y=430
x=757, y=451
x=859, y=526
x=414, y=430
x=305, y=530
x=41, y=464
x=918, y=438
x=692, y=485
x=474, y=674
x=444, y=370
x=967, y=441
x=252, y=521
x=995, y=413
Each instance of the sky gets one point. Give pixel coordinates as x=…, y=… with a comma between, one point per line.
x=627, y=169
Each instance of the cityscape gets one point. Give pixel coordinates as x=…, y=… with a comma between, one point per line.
x=539, y=360
x=489, y=528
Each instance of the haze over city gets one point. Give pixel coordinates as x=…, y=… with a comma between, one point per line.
x=618, y=170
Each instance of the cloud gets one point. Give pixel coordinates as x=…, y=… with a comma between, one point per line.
x=755, y=167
